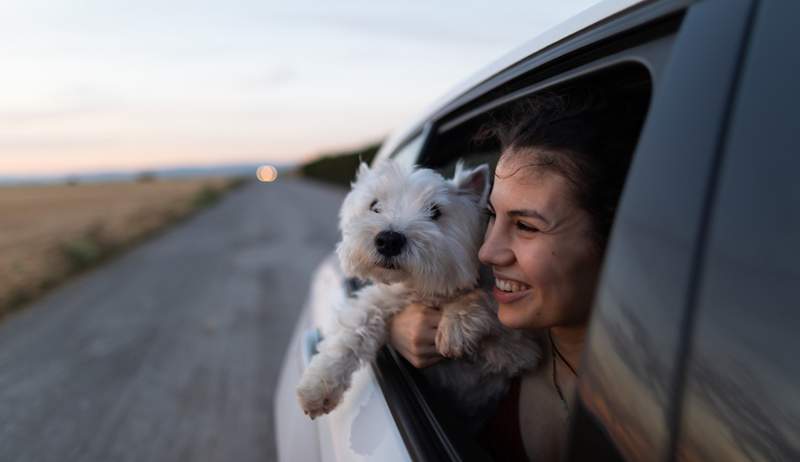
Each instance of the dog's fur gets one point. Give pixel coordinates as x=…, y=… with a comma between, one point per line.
x=441, y=224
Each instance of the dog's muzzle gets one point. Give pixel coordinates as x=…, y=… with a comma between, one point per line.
x=389, y=243
x=388, y=264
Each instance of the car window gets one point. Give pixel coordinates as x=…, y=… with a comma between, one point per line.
x=743, y=381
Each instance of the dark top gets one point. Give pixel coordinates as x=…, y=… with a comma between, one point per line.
x=502, y=437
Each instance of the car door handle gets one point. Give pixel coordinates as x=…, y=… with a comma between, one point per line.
x=311, y=338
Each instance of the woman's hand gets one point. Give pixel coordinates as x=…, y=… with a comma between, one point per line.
x=412, y=332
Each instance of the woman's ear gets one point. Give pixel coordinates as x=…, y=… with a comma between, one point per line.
x=473, y=181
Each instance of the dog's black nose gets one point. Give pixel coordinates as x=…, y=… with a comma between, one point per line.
x=389, y=243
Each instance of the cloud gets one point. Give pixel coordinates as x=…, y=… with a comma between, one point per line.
x=272, y=79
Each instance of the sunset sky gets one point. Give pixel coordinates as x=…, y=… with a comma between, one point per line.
x=128, y=85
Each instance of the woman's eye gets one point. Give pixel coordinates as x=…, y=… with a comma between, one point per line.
x=523, y=227
x=374, y=206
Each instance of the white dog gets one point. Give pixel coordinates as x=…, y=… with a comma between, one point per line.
x=416, y=236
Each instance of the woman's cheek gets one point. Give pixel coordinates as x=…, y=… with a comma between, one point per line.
x=537, y=260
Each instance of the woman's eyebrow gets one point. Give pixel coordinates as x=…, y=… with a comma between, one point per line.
x=530, y=213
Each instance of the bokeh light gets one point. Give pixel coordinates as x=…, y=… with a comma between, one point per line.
x=267, y=174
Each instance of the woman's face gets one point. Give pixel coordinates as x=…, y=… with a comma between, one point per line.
x=538, y=243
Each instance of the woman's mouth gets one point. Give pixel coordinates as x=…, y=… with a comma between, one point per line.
x=508, y=291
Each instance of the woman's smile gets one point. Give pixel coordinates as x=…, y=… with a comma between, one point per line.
x=508, y=290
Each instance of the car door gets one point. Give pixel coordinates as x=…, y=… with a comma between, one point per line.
x=633, y=362
x=740, y=395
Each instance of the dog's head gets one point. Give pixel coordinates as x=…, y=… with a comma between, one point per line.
x=414, y=226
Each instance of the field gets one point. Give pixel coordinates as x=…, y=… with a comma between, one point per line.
x=50, y=232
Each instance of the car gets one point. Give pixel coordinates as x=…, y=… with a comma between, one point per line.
x=693, y=335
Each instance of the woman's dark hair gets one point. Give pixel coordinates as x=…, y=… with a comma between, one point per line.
x=578, y=135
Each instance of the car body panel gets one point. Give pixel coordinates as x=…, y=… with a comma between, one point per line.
x=361, y=428
x=297, y=438
x=742, y=375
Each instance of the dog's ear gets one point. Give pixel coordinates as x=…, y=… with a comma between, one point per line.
x=363, y=170
x=472, y=181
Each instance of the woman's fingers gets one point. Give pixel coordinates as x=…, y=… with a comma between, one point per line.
x=412, y=332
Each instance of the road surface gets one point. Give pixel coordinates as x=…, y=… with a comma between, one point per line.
x=172, y=351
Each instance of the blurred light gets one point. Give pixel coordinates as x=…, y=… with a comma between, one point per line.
x=267, y=174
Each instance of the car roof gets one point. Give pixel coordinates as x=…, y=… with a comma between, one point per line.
x=571, y=26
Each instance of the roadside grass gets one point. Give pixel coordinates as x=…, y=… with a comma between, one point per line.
x=102, y=240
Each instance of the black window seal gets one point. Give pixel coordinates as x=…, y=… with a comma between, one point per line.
x=418, y=427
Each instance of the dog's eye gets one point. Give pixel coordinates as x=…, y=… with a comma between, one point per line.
x=374, y=206
x=435, y=212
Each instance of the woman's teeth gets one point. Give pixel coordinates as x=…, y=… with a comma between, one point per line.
x=509, y=286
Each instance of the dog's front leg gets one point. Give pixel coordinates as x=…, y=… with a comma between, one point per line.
x=327, y=376
x=465, y=322
x=360, y=334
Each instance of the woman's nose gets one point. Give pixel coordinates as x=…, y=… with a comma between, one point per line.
x=495, y=250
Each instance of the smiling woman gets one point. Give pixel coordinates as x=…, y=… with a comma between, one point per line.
x=562, y=165
x=559, y=177
x=561, y=170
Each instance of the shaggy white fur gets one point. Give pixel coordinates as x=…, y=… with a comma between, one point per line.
x=416, y=235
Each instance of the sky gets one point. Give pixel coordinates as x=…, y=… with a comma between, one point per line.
x=131, y=85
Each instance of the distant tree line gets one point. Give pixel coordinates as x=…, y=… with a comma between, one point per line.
x=340, y=167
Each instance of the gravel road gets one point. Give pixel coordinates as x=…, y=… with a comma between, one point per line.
x=172, y=351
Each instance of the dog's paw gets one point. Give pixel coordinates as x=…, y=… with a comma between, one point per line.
x=450, y=340
x=320, y=398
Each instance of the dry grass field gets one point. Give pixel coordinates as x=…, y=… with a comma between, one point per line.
x=50, y=232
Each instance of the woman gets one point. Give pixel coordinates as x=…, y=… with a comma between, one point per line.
x=562, y=166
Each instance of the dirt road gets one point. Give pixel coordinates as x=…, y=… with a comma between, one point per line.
x=171, y=352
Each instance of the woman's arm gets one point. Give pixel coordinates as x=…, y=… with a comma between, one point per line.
x=412, y=332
